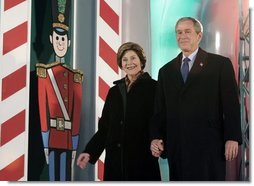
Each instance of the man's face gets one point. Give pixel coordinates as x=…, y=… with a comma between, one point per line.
x=60, y=44
x=187, y=38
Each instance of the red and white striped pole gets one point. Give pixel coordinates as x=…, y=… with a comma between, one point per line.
x=14, y=88
x=108, y=39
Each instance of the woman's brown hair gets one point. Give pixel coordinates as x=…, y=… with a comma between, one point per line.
x=134, y=47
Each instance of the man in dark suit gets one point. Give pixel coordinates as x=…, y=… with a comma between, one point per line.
x=197, y=113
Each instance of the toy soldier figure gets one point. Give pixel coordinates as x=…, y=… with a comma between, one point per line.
x=60, y=93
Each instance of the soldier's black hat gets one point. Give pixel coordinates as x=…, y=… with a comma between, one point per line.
x=61, y=14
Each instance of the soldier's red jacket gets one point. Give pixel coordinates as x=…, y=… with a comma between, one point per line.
x=60, y=95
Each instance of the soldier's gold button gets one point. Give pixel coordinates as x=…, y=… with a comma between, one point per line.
x=65, y=74
x=65, y=99
x=65, y=86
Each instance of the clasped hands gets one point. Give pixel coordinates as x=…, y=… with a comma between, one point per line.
x=157, y=147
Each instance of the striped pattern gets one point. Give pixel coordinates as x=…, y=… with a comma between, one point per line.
x=14, y=88
x=17, y=78
x=108, y=40
x=10, y=42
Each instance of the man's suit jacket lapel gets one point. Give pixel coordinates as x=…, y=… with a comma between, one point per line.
x=178, y=76
x=199, y=65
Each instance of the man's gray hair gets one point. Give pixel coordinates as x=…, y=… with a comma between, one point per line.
x=197, y=24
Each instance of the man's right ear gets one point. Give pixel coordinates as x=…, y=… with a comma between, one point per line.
x=51, y=39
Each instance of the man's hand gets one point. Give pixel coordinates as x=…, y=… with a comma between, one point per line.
x=157, y=147
x=82, y=160
x=231, y=150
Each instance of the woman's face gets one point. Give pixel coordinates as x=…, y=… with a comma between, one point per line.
x=131, y=63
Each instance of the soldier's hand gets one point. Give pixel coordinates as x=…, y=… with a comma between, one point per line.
x=74, y=154
x=82, y=160
x=46, y=152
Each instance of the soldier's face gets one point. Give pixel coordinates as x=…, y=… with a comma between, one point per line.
x=60, y=44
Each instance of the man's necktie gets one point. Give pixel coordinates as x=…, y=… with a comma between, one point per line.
x=185, y=68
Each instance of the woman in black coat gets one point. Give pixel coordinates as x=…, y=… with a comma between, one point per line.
x=124, y=125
